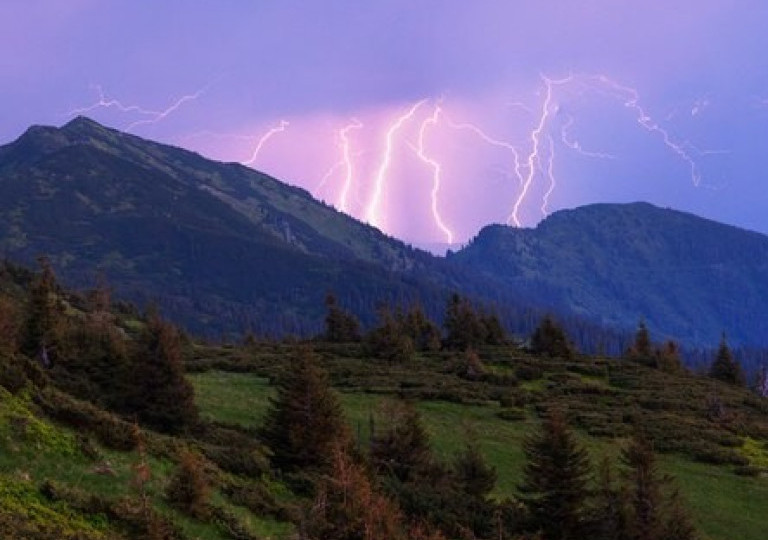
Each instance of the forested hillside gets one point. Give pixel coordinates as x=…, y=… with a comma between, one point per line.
x=114, y=424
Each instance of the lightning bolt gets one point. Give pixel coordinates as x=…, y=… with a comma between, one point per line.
x=327, y=176
x=155, y=116
x=372, y=213
x=493, y=142
x=631, y=99
x=264, y=139
x=436, y=170
x=551, y=176
x=576, y=146
x=105, y=103
x=164, y=113
x=346, y=161
x=534, y=156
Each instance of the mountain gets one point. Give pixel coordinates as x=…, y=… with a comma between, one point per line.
x=219, y=246
x=223, y=248
x=689, y=278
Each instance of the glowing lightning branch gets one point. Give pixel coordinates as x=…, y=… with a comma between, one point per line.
x=551, y=175
x=327, y=176
x=493, y=142
x=632, y=101
x=372, y=213
x=153, y=116
x=163, y=114
x=105, y=103
x=576, y=146
x=263, y=140
x=436, y=169
x=346, y=160
x=534, y=156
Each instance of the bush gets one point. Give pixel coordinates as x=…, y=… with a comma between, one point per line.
x=190, y=488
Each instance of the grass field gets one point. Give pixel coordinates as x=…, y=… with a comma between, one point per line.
x=725, y=506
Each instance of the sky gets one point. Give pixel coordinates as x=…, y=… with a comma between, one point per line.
x=426, y=118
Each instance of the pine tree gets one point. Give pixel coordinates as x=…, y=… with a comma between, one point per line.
x=424, y=333
x=159, y=393
x=304, y=421
x=669, y=358
x=474, y=476
x=348, y=507
x=611, y=513
x=724, y=367
x=550, y=339
x=391, y=340
x=190, y=489
x=462, y=324
x=43, y=316
x=678, y=524
x=340, y=326
x=645, y=483
x=554, y=488
x=402, y=450
x=642, y=348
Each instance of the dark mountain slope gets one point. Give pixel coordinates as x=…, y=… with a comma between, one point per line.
x=688, y=277
x=218, y=245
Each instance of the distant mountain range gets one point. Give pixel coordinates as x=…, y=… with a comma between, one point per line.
x=686, y=277
x=224, y=248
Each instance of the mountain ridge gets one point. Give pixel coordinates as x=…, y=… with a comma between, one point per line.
x=635, y=262
x=222, y=247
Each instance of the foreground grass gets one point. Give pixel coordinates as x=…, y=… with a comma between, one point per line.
x=725, y=506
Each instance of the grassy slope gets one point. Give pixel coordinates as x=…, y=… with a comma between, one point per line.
x=724, y=505
x=34, y=450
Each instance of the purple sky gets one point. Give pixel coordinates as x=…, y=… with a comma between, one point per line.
x=665, y=102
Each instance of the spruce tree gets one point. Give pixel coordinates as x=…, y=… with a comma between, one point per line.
x=43, y=316
x=347, y=506
x=550, y=339
x=611, y=512
x=642, y=348
x=462, y=324
x=475, y=477
x=554, y=489
x=402, y=450
x=159, y=394
x=724, y=367
x=340, y=326
x=645, y=483
x=304, y=420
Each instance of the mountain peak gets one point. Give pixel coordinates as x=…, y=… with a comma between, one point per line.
x=81, y=122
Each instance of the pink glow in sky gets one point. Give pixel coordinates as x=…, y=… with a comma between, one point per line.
x=658, y=101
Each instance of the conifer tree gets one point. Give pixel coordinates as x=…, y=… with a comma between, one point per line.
x=160, y=395
x=550, y=339
x=724, y=367
x=678, y=524
x=554, y=488
x=642, y=348
x=611, y=512
x=304, y=420
x=190, y=489
x=402, y=450
x=669, y=357
x=43, y=315
x=475, y=477
x=462, y=324
x=645, y=483
x=424, y=333
x=347, y=505
x=340, y=326
x=391, y=339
